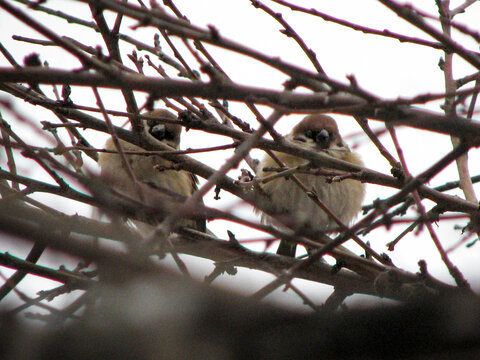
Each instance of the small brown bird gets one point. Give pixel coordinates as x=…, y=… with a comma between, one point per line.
x=160, y=188
x=319, y=133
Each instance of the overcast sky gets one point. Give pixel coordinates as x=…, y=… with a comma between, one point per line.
x=384, y=67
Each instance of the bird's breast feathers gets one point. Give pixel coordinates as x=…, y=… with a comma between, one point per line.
x=147, y=169
x=344, y=198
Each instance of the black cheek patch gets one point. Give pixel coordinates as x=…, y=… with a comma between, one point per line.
x=169, y=135
x=157, y=134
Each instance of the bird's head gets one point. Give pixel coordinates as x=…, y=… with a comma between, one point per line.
x=320, y=133
x=167, y=133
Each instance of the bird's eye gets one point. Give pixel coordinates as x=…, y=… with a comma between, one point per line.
x=323, y=139
x=151, y=123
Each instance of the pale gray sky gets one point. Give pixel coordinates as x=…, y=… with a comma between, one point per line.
x=383, y=66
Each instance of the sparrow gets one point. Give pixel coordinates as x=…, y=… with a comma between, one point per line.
x=163, y=188
x=316, y=132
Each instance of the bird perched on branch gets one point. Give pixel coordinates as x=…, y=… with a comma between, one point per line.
x=151, y=178
x=318, y=133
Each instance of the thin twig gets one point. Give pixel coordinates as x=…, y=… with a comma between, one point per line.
x=118, y=146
